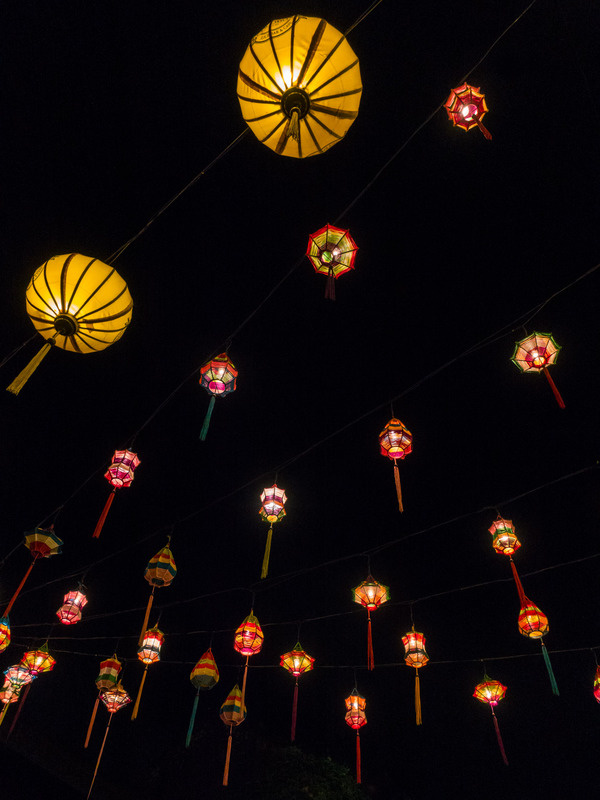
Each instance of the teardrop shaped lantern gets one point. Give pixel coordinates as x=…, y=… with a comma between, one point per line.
x=415, y=656
x=466, y=107
x=491, y=692
x=160, y=571
x=70, y=611
x=76, y=303
x=296, y=662
x=148, y=653
x=120, y=475
x=219, y=378
x=299, y=86
x=533, y=623
x=204, y=676
x=356, y=718
x=395, y=442
x=107, y=680
x=534, y=354
x=332, y=252
x=371, y=595
x=248, y=641
x=233, y=713
x=271, y=510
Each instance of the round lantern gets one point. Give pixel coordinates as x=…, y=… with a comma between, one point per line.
x=466, y=107
x=332, y=252
x=491, y=692
x=534, y=354
x=533, y=623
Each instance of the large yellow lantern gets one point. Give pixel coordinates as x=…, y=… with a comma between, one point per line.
x=77, y=303
x=299, y=86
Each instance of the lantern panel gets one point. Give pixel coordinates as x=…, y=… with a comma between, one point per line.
x=395, y=440
x=331, y=251
x=249, y=636
x=415, y=654
x=297, y=661
x=4, y=633
x=532, y=621
x=355, y=718
x=464, y=105
x=231, y=711
x=371, y=594
x=161, y=568
x=38, y=661
x=535, y=352
x=115, y=698
x=489, y=691
x=149, y=652
x=205, y=674
x=273, y=500
x=122, y=467
x=219, y=376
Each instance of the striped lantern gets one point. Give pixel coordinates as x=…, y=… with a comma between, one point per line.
x=296, y=662
x=534, y=354
x=371, y=595
x=148, y=653
x=106, y=680
x=4, y=633
x=204, y=676
x=233, y=713
x=218, y=377
x=41, y=543
x=491, y=692
x=70, y=611
x=120, y=475
x=160, y=571
x=466, y=107
x=533, y=623
x=114, y=699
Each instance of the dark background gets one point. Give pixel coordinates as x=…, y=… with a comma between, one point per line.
x=109, y=109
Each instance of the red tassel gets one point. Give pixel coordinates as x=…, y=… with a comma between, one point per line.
x=555, y=391
x=294, y=710
x=500, y=742
x=398, y=487
x=522, y=598
x=6, y=611
x=358, y=773
x=227, y=758
x=330, y=286
x=103, y=515
x=92, y=720
x=418, y=715
x=244, y=684
x=370, y=657
x=482, y=128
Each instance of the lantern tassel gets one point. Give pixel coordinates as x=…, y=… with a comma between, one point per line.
x=294, y=125
x=555, y=391
x=146, y=618
x=188, y=738
x=23, y=376
x=207, y=417
x=19, y=707
x=419, y=718
x=358, y=771
x=370, y=656
x=267, y=555
x=3, y=714
x=99, y=756
x=244, y=685
x=6, y=611
x=294, y=711
x=398, y=487
x=549, y=668
x=92, y=720
x=522, y=598
x=103, y=515
x=330, y=286
x=499, y=738
x=139, y=696
x=482, y=128
x=227, y=758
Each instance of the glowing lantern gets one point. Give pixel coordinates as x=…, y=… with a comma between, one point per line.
x=148, y=653
x=371, y=595
x=8, y=694
x=299, y=86
x=415, y=656
x=70, y=612
x=41, y=543
x=16, y=677
x=332, y=252
x=219, y=378
x=356, y=718
x=491, y=692
x=395, y=442
x=106, y=680
x=4, y=633
x=76, y=303
x=535, y=354
x=466, y=107
x=505, y=542
x=296, y=662
x=38, y=661
x=533, y=623
x=233, y=713
x=119, y=475
x=597, y=684
x=248, y=641
x=204, y=676
x=114, y=699
x=160, y=571
x=271, y=510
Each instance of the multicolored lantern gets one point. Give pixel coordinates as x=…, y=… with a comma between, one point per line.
x=4, y=633
x=597, y=684
x=204, y=676
x=76, y=303
x=17, y=677
x=371, y=595
x=233, y=713
x=332, y=252
x=38, y=661
x=415, y=656
x=395, y=442
x=120, y=475
x=534, y=354
x=114, y=699
x=106, y=680
x=8, y=694
x=41, y=543
x=160, y=571
x=248, y=641
x=299, y=86
x=70, y=611
x=466, y=107
x=218, y=377
x=491, y=692
x=296, y=662
x=533, y=623
x=272, y=501
x=148, y=653
x=505, y=542
x=356, y=718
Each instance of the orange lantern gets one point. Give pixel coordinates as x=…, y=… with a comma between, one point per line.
x=70, y=611
x=505, y=542
x=248, y=641
x=271, y=510
x=204, y=676
x=533, y=623
x=491, y=692
x=233, y=713
x=120, y=475
x=296, y=662
x=38, y=661
x=218, y=377
x=534, y=354
x=114, y=699
x=356, y=718
x=415, y=656
x=395, y=442
x=16, y=677
x=371, y=595
x=148, y=653
x=332, y=252
x=466, y=107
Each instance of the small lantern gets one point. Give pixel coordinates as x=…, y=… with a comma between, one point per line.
x=70, y=612
x=296, y=662
x=41, y=543
x=332, y=252
x=148, y=653
x=371, y=595
x=120, y=475
x=533, y=623
x=106, y=681
x=249, y=636
x=114, y=699
x=356, y=718
x=19, y=675
x=4, y=633
x=233, y=713
x=505, y=540
x=466, y=107
x=271, y=510
x=204, y=676
x=534, y=354
x=8, y=694
x=597, y=684
x=415, y=656
x=218, y=377
x=160, y=571
x=38, y=661
x=491, y=692
x=395, y=442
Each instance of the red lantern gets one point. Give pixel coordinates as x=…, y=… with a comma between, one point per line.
x=114, y=699
x=205, y=675
x=272, y=501
x=218, y=377
x=371, y=595
x=533, y=623
x=148, y=653
x=4, y=633
x=106, y=680
x=248, y=641
x=505, y=542
x=16, y=677
x=356, y=718
x=491, y=692
x=41, y=543
x=332, y=252
x=534, y=354
x=395, y=442
x=119, y=475
x=70, y=612
x=233, y=713
x=597, y=684
x=466, y=107
x=160, y=571
x=296, y=662
x=38, y=661
x=415, y=656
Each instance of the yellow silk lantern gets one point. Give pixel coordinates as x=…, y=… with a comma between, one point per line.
x=299, y=86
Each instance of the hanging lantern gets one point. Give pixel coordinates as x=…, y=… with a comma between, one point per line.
x=597, y=684
x=272, y=499
x=218, y=377
x=491, y=692
x=8, y=694
x=466, y=107
x=233, y=713
x=415, y=656
x=296, y=662
x=371, y=595
x=505, y=542
x=106, y=680
x=204, y=676
x=16, y=677
x=76, y=303
x=148, y=653
x=299, y=86
x=38, y=661
x=395, y=442
x=248, y=641
x=41, y=543
x=114, y=699
x=160, y=571
x=534, y=354
x=119, y=475
x=332, y=252
x=70, y=611
x=356, y=718
x=19, y=675
x=4, y=633
x=533, y=623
